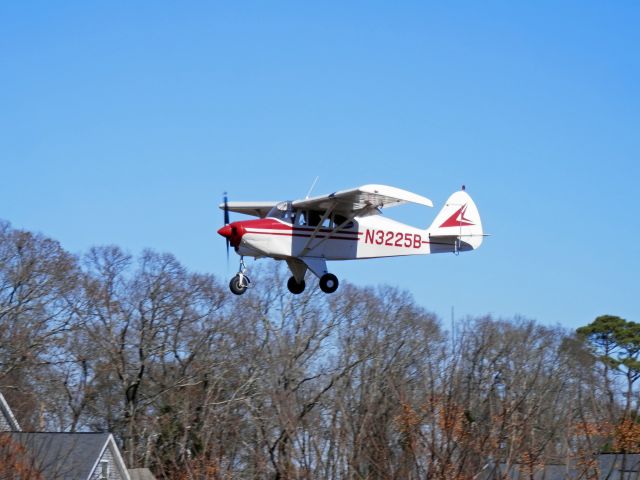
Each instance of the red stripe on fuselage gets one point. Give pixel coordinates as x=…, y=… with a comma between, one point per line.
x=278, y=227
x=303, y=235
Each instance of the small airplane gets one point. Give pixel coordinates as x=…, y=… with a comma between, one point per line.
x=344, y=225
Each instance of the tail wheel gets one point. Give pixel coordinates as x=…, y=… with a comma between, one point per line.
x=329, y=283
x=295, y=287
x=238, y=285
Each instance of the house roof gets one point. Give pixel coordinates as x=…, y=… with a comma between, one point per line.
x=141, y=474
x=63, y=455
x=549, y=472
x=627, y=463
x=613, y=466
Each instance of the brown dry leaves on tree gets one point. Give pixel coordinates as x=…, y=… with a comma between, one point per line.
x=15, y=462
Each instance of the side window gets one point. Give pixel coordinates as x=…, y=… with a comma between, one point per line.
x=314, y=218
x=339, y=220
x=299, y=217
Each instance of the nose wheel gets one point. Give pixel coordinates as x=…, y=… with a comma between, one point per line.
x=240, y=282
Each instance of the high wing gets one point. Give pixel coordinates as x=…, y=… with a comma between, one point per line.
x=256, y=209
x=348, y=202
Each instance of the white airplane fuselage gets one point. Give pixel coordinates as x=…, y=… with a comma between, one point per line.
x=367, y=237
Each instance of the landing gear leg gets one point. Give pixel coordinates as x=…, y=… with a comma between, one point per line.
x=328, y=283
x=239, y=284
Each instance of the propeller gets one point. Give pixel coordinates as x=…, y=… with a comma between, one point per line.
x=232, y=232
x=226, y=220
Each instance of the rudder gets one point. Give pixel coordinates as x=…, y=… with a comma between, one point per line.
x=458, y=226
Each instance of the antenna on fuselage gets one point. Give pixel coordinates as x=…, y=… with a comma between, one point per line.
x=312, y=186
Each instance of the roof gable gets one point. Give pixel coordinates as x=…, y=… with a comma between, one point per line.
x=114, y=455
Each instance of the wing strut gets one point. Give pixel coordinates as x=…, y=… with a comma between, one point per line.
x=307, y=247
x=327, y=212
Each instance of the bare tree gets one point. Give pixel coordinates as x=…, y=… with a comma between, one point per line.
x=38, y=302
x=146, y=328
x=363, y=383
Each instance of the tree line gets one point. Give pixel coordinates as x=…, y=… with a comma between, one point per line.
x=361, y=384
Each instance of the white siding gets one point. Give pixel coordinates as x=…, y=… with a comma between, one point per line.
x=4, y=424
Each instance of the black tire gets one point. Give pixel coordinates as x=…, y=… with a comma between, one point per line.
x=236, y=287
x=329, y=283
x=295, y=287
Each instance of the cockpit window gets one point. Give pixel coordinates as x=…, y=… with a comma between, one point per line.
x=282, y=211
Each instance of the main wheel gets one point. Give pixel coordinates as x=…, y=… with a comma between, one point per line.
x=237, y=287
x=295, y=287
x=328, y=283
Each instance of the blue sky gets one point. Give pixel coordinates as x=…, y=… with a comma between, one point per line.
x=123, y=124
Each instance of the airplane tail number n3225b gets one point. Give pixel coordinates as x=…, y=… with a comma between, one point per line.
x=344, y=225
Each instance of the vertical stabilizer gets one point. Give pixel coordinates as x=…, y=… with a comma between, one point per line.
x=458, y=226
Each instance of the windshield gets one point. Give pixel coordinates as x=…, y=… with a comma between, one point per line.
x=282, y=211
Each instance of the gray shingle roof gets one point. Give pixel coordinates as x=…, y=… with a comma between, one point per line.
x=141, y=474
x=63, y=456
x=612, y=466
x=617, y=465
